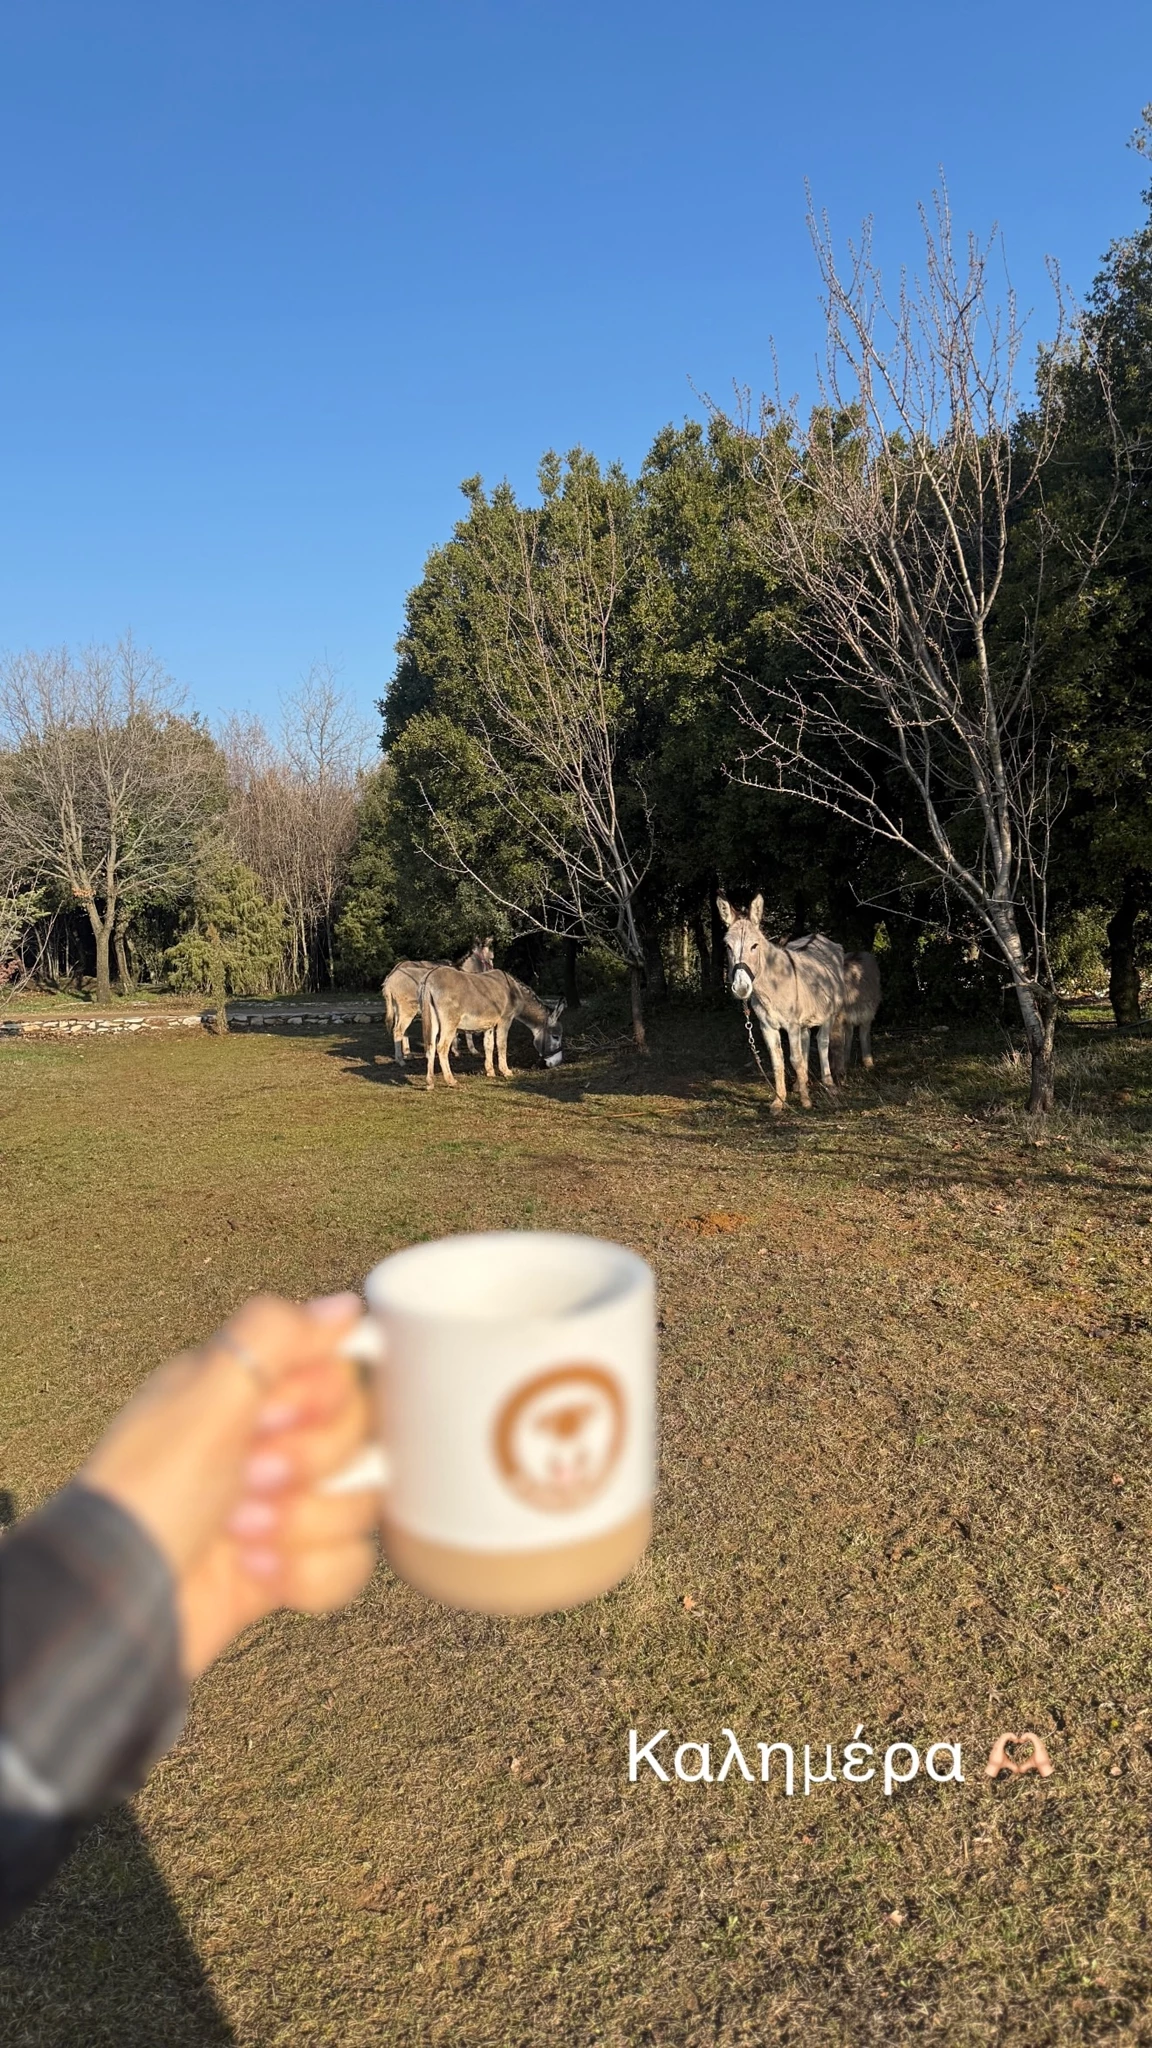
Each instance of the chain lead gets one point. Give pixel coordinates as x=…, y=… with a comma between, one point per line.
x=753, y=1044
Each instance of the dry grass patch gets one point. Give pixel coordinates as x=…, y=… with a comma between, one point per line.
x=906, y=1422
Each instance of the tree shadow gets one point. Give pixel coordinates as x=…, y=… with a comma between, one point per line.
x=102, y=1958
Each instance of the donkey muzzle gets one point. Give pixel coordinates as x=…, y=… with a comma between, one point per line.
x=553, y=1059
x=741, y=983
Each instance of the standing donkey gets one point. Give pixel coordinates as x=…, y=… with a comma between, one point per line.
x=861, y=1002
x=404, y=987
x=491, y=1003
x=797, y=988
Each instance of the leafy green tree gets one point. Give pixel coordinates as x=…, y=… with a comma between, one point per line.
x=1095, y=653
x=515, y=762
x=233, y=936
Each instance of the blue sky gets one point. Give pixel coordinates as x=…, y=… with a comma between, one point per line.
x=275, y=277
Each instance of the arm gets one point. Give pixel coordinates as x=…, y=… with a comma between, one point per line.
x=196, y=1514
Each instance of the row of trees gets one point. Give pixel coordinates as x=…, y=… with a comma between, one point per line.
x=888, y=663
x=189, y=858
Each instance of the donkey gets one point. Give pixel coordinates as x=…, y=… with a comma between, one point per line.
x=861, y=1002
x=491, y=1003
x=404, y=986
x=798, y=988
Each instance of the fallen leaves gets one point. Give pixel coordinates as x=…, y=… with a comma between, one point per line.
x=715, y=1222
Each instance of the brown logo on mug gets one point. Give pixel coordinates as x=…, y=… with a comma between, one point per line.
x=558, y=1437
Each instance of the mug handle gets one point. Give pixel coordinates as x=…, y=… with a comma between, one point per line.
x=371, y=1468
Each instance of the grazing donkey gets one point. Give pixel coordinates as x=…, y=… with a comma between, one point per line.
x=491, y=1003
x=404, y=986
x=861, y=1002
x=797, y=988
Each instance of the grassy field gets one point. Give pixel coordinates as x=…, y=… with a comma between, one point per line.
x=906, y=1420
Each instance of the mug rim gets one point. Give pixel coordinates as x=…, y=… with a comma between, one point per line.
x=632, y=1272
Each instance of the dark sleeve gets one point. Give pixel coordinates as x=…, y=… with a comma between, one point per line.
x=91, y=1690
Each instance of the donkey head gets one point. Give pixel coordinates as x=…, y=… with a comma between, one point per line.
x=745, y=946
x=549, y=1036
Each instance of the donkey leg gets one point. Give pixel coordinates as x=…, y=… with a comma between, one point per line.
x=502, y=1050
x=823, y=1035
x=431, y=1033
x=839, y=1047
x=866, y=1043
x=445, y=1046
x=775, y=1051
x=470, y=1042
x=489, y=1043
x=800, y=1042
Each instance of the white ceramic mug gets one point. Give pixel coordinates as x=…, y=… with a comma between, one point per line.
x=516, y=1378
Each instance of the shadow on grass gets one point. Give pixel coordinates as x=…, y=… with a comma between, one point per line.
x=102, y=1957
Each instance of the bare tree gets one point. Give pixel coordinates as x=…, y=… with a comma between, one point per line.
x=890, y=516
x=293, y=812
x=547, y=718
x=105, y=787
x=22, y=915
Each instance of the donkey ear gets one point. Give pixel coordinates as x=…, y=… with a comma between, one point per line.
x=725, y=908
x=757, y=910
x=556, y=1009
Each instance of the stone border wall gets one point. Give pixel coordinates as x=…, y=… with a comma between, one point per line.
x=158, y=1020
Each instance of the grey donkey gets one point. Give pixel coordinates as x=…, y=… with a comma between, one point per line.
x=404, y=986
x=861, y=1002
x=797, y=988
x=491, y=1003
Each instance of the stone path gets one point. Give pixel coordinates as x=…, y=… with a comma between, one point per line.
x=239, y=1019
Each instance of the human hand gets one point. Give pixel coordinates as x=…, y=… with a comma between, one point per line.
x=220, y=1455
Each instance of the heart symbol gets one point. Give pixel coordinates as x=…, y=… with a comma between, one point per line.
x=999, y=1759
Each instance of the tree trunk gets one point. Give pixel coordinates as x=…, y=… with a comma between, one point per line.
x=1040, y=1037
x=103, y=973
x=218, y=979
x=640, y=1036
x=1123, y=972
x=571, y=987
x=716, y=923
x=704, y=950
x=654, y=965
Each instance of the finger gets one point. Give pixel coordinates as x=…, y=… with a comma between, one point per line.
x=271, y=1339
x=316, y=1581
x=300, y=1520
x=308, y=1396
x=300, y=1457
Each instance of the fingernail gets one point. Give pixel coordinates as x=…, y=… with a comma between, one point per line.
x=252, y=1518
x=279, y=1415
x=260, y=1564
x=265, y=1471
x=332, y=1308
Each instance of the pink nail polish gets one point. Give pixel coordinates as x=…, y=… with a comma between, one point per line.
x=332, y=1308
x=252, y=1518
x=266, y=1472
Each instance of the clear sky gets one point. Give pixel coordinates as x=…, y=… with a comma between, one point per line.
x=277, y=274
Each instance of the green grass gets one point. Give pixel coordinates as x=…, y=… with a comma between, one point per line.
x=906, y=1421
